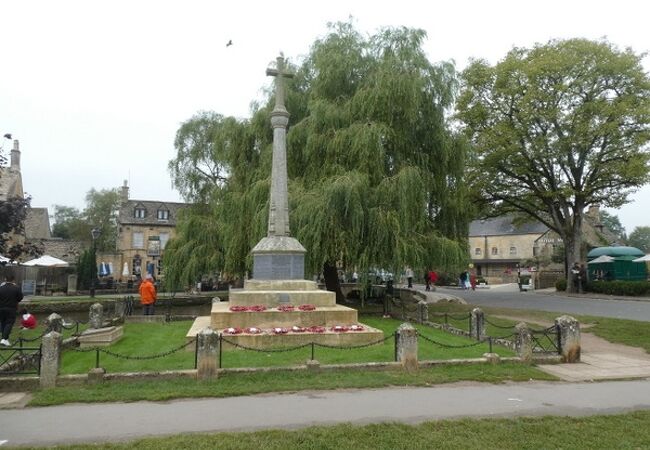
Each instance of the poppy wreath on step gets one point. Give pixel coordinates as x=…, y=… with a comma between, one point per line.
x=356, y=328
x=316, y=329
x=253, y=330
x=279, y=330
x=257, y=308
x=297, y=329
x=339, y=328
x=286, y=308
x=233, y=330
x=238, y=308
x=306, y=307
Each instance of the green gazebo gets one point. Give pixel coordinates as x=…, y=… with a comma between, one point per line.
x=615, y=263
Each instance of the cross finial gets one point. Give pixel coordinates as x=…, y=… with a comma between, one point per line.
x=279, y=72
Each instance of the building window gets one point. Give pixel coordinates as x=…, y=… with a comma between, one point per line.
x=140, y=213
x=164, y=237
x=513, y=250
x=477, y=251
x=138, y=239
x=137, y=266
x=495, y=251
x=163, y=214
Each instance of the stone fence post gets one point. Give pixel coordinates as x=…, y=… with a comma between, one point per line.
x=208, y=354
x=50, y=359
x=54, y=323
x=96, y=316
x=569, y=339
x=423, y=311
x=478, y=324
x=407, y=346
x=524, y=342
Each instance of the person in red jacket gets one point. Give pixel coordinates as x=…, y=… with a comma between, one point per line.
x=27, y=320
x=147, y=295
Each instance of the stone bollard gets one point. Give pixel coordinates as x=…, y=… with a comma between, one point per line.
x=569, y=330
x=407, y=346
x=478, y=324
x=423, y=311
x=120, y=309
x=208, y=354
x=96, y=316
x=524, y=342
x=50, y=359
x=96, y=375
x=54, y=323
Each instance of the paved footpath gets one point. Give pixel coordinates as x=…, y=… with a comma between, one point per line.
x=86, y=423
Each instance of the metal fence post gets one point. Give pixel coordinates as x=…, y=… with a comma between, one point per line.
x=220, y=348
x=97, y=358
x=196, y=352
x=312, y=351
x=395, y=336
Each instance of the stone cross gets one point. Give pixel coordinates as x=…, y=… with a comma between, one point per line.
x=279, y=72
x=279, y=201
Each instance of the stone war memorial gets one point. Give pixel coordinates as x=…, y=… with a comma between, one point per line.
x=278, y=307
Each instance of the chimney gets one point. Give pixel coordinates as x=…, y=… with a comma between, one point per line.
x=124, y=194
x=594, y=212
x=15, y=157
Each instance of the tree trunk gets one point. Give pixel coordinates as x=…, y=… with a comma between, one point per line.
x=332, y=283
x=573, y=246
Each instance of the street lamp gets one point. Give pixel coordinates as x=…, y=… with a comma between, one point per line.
x=95, y=232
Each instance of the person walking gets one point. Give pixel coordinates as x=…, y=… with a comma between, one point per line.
x=147, y=295
x=10, y=296
x=409, y=277
x=427, y=281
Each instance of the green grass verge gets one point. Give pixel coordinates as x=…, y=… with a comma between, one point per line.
x=621, y=331
x=625, y=431
x=235, y=384
x=145, y=339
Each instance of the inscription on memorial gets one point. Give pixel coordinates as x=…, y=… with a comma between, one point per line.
x=278, y=267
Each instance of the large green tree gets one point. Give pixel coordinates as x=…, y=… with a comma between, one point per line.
x=101, y=212
x=69, y=223
x=557, y=128
x=640, y=238
x=376, y=176
x=613, y=223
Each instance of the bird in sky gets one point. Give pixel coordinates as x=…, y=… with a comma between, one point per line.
x=229, y=43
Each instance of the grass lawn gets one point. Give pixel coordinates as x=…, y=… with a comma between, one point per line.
x=235, y=384
x=622, y=331
x=148, y=339
x=625, y=431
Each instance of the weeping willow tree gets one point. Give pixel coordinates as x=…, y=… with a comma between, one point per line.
x=376, y=176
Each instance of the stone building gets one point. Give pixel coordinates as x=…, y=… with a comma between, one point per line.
x=144, y=227
x=37, y=222
x=502, y=246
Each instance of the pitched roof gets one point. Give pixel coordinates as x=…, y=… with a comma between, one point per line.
x=504, y=226
x=11, y=183
x=37, y=224
x=127, y=216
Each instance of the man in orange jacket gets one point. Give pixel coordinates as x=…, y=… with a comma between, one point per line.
x=147, y=295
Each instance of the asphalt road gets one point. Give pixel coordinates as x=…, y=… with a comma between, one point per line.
x=509, y=296
x=83, y=423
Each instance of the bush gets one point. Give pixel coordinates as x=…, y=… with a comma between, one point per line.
x=560, y=285
x=619, y=287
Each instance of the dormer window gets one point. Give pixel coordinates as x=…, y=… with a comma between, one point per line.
x=163, y=214
x=140, y=213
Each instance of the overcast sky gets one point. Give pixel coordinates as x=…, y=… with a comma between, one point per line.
x=96, y=90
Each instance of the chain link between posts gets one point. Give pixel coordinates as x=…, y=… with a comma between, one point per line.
x=135, y=357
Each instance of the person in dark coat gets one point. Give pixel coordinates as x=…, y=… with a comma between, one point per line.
x=10, y=296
